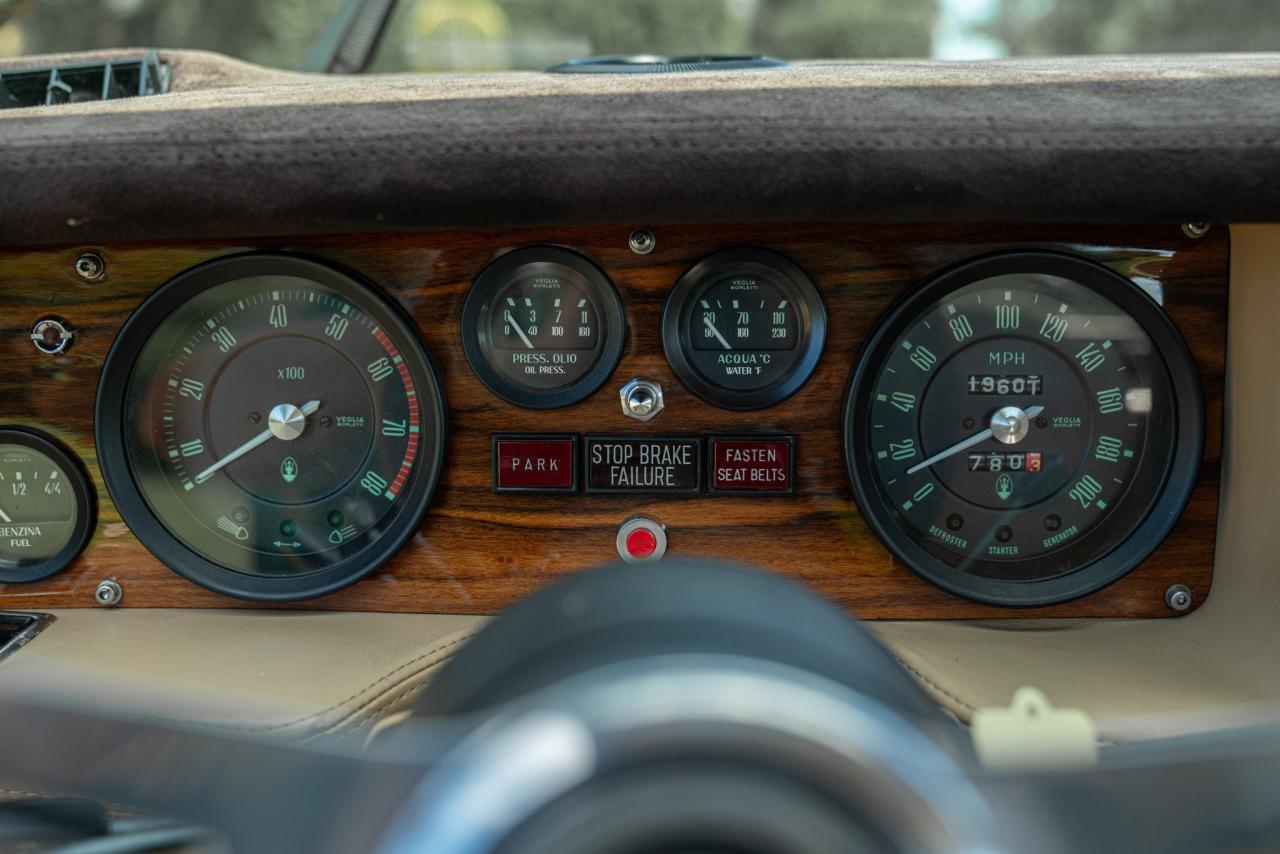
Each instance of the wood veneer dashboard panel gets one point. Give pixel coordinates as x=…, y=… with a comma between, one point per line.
x=477, y=551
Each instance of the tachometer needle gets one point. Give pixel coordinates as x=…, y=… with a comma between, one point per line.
x=525, y=338
x=286, y=423
x=1030, y=412
x=716, y=332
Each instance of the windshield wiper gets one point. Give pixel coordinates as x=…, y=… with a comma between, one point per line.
x=350, y=39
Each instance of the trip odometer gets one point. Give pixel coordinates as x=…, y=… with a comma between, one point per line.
x=269, y=427
x=1024, y=429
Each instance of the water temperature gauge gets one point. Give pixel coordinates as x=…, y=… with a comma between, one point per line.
x=46, y=513
x=743, y=329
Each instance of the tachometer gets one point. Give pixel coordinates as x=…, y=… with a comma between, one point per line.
x=744, y=328
x=1024, y=429
x=269, y=427
x=543, y=327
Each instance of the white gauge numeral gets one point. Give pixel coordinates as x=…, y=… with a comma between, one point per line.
x=922, y=357
x=1110, y=400
x=1091, y=358
x=336, y=327
x=374, y=483
x=1085, y=491
x=1108, y=449
x=279, y=317
x=1008, y=316
x=1054, y=327
x=380, y=368
x=224, y=339
x=904, y=450
x=902, y=400
x=191, y=388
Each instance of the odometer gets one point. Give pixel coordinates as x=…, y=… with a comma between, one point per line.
x=1024, y=429
x=269, y=427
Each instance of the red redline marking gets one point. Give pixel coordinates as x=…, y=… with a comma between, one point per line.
x=411, y=448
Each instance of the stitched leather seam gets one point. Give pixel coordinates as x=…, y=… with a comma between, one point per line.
x=1012, y=140
x=353, y=725
x=704, y=126
x=934, y=685
x=320, y=714
x=357, y=716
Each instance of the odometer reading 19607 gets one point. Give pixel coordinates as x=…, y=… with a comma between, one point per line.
x=1024, y=429
x=270, y=427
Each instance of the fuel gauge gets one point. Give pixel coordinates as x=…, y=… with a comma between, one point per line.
x=46, y=513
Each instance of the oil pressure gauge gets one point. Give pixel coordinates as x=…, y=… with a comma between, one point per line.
x=543, y=327
x=743, y=329
x=46, y=512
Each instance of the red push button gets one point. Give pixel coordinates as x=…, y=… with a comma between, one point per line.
x=535, y=463
x=641, y=543
x=641, y=540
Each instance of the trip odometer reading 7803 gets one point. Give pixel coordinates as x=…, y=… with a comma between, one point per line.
x=1024, y=429
x=269, y=427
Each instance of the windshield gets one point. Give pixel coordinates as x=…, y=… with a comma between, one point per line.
x=474, y=35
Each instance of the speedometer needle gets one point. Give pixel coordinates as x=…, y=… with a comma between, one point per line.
x=286, y=423
x=716, y=332
x=1030, y=412
x=519, y=331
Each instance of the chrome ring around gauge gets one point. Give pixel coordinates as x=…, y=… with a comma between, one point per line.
x=543, y=327
x=270, y=427
x=1024, y=428
x=744, y=328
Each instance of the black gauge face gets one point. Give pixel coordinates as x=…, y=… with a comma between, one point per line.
x=543, y=327
x=1014, y=424
x=46, y=508
x=278, y=420
x=744, y=328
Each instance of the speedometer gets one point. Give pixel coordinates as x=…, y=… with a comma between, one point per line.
x=1024, y=429
x=269, y=427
